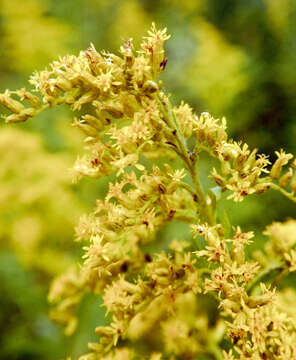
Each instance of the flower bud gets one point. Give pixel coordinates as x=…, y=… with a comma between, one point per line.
x=200, y=135
x=22, y=116
x=150, y=86
x=258, y=300
x=11, y=104
x=63, y=84
x=261, y=188
x=33, y=100
x=87, y=129
x=238, y=253
x=219, y=180
x=276, y=169
x=93, y=121
x=282, y=160
x=229, y=153
x=285, y=179
x=239, y=161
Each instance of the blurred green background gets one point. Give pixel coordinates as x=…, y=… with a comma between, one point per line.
x=231, y=58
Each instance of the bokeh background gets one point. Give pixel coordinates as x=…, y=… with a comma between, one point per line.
x=231, y=58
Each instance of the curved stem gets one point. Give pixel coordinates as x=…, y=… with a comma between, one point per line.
x=188, y=187
x=264, y=273
x=290, y=196
x=284, y=272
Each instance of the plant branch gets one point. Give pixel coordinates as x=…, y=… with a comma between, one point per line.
x=290, y=196
x=189, y=161
x=275, y=267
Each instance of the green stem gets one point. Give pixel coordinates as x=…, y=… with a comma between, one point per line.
x=284, y=272
x=284, y=192
x=206, y=211
x=215, y=351
x=188, y=187
x=189, y=161
x=264, y=273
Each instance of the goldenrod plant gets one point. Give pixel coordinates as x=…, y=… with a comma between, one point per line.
x=204, y=299
x=36, y=232
x=26, y=210
x=26, y=23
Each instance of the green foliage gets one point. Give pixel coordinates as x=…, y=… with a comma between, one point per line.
x=28, y=331
x=27, y=210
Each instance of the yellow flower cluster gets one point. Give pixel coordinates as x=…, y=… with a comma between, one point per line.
x=184, y=303
x=254, y=322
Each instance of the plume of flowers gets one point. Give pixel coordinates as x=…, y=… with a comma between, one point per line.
x=185, y=302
